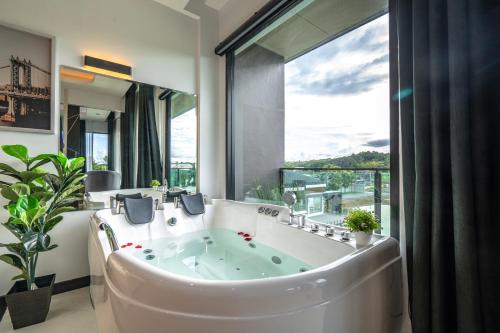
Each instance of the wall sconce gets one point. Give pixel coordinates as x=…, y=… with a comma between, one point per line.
x=106, y=67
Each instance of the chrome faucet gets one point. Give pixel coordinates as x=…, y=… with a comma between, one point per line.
x=113, y=244
x=177, y=202
x=290, y=199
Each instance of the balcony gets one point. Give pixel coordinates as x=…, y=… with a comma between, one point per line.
x=326, y=195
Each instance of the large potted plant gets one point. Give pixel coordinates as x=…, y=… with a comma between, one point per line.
x=36, y=199
x=361, y=223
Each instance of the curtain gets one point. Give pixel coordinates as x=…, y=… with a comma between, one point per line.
x=149, y=158
x=449, y=88
x=83, y=143
x=127, y=138
x=111, y=141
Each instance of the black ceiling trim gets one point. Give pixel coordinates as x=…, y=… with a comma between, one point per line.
x=260, y=20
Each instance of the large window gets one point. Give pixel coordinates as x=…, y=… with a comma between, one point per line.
x=183, y=141
x=97, y=151
x=309, y=111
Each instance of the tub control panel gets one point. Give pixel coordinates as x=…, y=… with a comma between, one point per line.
x=268, y=211
x=300, y=221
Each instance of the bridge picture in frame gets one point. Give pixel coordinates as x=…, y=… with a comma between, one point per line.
x=25, y=81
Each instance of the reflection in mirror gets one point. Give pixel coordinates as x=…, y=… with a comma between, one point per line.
x=134, y=136
x=181, y=109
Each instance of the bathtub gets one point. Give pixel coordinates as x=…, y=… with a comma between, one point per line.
x=348, y=290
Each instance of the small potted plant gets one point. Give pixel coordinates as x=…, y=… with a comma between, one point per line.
x=155, y=184
x=36, y=199
x=361, y=223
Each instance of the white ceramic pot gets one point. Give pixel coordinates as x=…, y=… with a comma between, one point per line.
x=363, y=238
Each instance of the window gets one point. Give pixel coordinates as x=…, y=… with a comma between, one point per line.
x=309, y=111
x=183, y=141
x=97, y=151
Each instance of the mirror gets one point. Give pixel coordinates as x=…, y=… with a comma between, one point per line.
x=133, y=135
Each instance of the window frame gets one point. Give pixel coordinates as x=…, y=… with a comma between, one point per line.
x=263, y=18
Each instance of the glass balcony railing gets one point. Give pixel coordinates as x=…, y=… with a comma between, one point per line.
x=326, y=195
x=183, y=174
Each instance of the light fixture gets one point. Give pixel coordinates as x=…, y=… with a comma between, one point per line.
x=106, y=67
x=74, y=74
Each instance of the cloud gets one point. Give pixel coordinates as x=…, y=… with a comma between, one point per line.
x=348, y=65
x=378, y=143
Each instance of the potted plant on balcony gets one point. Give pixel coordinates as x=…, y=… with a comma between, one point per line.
x=36, y=199
x=361, y=223
x=155, y=184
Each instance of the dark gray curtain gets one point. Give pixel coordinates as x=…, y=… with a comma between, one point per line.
x=449, y=88
x=83, y=142
x=127, y=138
x=149, y=165
x=111, y=141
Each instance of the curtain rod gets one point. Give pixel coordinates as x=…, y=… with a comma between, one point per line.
x=261, y=19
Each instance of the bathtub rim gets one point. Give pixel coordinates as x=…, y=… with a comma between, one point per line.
x=387, y=241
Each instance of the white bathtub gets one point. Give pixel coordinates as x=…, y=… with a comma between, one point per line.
x=351, y=291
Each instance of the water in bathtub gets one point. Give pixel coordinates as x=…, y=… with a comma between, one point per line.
x=218, y=254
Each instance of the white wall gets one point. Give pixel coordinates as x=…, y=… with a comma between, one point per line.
x=159, y=43
x=94, y=100
x=212, y=115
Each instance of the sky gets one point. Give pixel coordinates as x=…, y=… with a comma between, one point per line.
x=183, y=137
x=100, y=148
x=337, y=96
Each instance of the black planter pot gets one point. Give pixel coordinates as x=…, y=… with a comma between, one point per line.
x=30, y=307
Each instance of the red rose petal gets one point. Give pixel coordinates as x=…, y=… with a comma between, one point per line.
x=246, y=235
x=123, y=246
x=138, y=246
x=129, y=244
x=248, y=239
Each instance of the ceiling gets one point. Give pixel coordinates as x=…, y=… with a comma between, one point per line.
x=313, y=22
x=100, y=84
x=93, y=114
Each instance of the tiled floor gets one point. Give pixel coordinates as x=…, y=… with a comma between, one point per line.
x=69, y=312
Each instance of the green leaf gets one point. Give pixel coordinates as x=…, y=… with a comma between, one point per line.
x=42, y=159
x=32, y=203
x=12, y=260
x=76, y=163
x=60, y=210
x=43, y=242
x=18, y=151
x=16, y=230
x=16, y=248
x=53, y=181
x=36, y=213
x=42, y=196
x=7, y=169
x=50, y=224
x=14, y=191
x=19, y=277
x=53, y=246
x=9, y=194
x=29, y=176
x=30, y=241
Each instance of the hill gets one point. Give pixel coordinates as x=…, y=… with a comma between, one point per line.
x=365, y=159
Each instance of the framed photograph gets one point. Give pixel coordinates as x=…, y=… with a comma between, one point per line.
x=26, y=82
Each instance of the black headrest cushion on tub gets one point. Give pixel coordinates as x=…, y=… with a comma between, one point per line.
x=121, y=197
x=139, y=211
x=193, y=204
